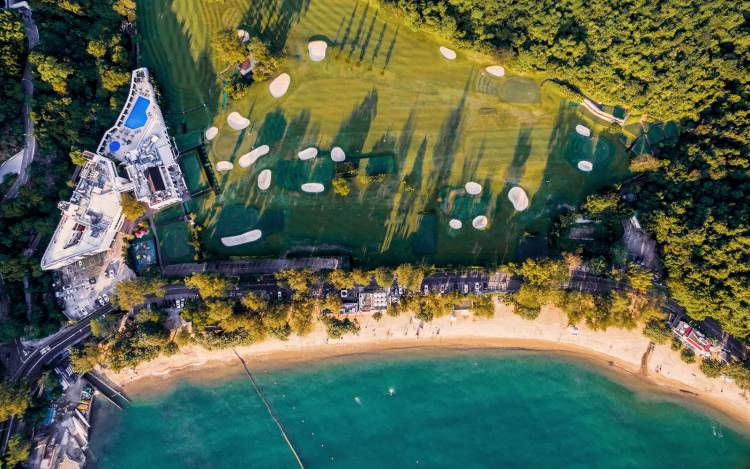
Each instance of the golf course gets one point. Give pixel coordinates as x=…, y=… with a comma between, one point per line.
x=410, y=127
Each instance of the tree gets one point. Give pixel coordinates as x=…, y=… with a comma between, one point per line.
x=52, y=71
x=131, y=293
x=14, y=400
x=17, y=451
x=297, y=280
x=265, y=63
x=361, y=277
x=383, y=277
x=301, y=316
x=544, y=272
x=687, y=355
x=410, y=277
x=84, y=357
x=131, y=208
x=483, y=306
x=254, y=302
x=657, y=331
x=340, y=187
x=337, y=328
x=340, y=279
x=76, y=156
x=597, y=204
x=638, y=277
x=208, y=285
x=711, y=368
x=227, y=49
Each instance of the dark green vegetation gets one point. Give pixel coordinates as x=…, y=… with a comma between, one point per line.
x=12, y=59
x=78, y=91
x=683, y=61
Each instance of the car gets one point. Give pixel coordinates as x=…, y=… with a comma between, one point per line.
x=344, y=294
x=279, y=294
x=105, y=298
x=92, y=280
x=111, y=273
x=44, y=350
x=80, y=264
x=477, y=287
x=466, y=288
x=426, y=289
x=442, y=288
x=400, y=291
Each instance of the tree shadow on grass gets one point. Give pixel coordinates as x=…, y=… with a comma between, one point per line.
x=295, y=134
x=391, y=48
x=520, y=155
x=358, y=34
x=368, y=37
x=378, y=44
x=354, y=130
x=347, y=31
x=189, y=84
x=272, y=129
x=272, y=20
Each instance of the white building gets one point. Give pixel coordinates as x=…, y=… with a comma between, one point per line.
x=140, y=142
x=91, y=218
x=372, y=301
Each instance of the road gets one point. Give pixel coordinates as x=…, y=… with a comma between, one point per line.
x=29, y=144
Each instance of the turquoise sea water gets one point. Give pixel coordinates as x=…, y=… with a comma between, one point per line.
x=442, y=409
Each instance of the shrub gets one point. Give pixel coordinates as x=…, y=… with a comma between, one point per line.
x=657, y=331
x=676, y=344
x=337, y=328
x=340, y=187
x=712, y=368
x=566, y=90
x=527, y=312
x=687, y=355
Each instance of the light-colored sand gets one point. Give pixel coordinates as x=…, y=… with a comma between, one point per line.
x=313, y=187
x=264, y=179
x=237, y=122
x=248, y=237
x=585, y=166
x=473, y=188
x=249, y=158
x=616, y=349
x=224, y=166
x=308, y=153
x=243, y=35
x=448, y=53
x=480, y=222
x=519, y=199
x=338, y=155
x=280, y=85
x=211, y=132
x=583, y=130
x=455, y=224
x=317, y=50
x=495, y=70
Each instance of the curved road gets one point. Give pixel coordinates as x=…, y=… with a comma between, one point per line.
x=29, y=145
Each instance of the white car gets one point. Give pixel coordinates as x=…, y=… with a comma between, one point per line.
x=105, y=298
x=426, y=289
x=45, y=350
x=466, y=288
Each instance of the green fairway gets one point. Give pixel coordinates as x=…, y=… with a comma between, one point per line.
x=415, y=128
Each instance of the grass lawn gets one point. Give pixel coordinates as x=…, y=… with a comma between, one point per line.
x=173, y=243
x=415, y=128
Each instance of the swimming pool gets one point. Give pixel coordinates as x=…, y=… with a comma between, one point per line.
x=137, y=117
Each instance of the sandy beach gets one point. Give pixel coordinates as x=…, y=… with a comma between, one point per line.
x=617, y=349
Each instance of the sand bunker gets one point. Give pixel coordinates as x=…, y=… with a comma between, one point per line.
x=455, y=224
x=495, y=70
x=224, y=166
x=280, y=85
x=211, y=132
x=585, y=166
x=237, y=122
x=519, y=199
x=473, y=188
x=243, y=35
x=249, y=158
x=249, y=237
x=317, y=50
x=338, y=155
x=264, y=179
x=448, y=53
x=308, y=153
x=479, y=222
x=583, y=130
x=313, y=187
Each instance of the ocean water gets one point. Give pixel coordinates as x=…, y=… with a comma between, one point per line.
x=439, y=409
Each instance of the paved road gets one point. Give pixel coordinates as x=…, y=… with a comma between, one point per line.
x=29, y=145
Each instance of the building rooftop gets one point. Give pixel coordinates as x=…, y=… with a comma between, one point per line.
x=140, y=142
x=91, y=218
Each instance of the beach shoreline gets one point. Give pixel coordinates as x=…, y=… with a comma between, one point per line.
x=616, y=349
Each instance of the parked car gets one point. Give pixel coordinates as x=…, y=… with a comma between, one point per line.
x=344, y=294
x=477, y=287
x=426, y=289
x=466, y=288
x=92, y=280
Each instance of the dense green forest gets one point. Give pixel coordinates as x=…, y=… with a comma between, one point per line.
x=79, y=89
x=682, y=60
x=12, y=58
